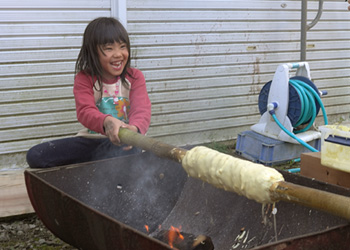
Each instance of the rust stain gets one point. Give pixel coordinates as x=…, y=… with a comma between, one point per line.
x=250, y=48
x=254, y=88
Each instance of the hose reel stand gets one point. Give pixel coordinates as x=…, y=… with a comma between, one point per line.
x=287, y=105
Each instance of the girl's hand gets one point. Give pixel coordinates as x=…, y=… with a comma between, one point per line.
x=132, y=128
x=112, y=127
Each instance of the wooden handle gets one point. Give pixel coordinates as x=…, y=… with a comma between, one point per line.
x=161, y=149
x=335, y=204
x=332, y=203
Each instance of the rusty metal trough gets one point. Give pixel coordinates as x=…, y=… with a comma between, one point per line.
x=106, y=205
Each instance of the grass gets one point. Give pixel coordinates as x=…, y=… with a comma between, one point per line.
x=228, y=147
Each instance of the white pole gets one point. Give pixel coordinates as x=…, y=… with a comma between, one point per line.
x=118, y=11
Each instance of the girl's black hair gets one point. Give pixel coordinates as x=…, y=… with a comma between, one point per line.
x=101, y=31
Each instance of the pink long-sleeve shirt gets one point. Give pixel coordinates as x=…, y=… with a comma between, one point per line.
x=89, y=115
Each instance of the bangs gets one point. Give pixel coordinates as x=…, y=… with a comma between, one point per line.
x=109, y=32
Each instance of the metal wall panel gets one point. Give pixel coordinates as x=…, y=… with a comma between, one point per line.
x=39, y=43
x=204, y=61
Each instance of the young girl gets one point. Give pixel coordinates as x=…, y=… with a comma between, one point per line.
x=108, y=95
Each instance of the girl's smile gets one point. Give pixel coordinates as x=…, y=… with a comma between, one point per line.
x=113, y=57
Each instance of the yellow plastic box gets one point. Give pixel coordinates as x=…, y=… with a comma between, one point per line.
x=335, y=146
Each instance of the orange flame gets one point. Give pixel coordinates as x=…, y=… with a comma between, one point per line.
x=147, y=228
x=174, y=234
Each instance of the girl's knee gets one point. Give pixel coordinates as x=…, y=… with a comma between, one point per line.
x=34, y=157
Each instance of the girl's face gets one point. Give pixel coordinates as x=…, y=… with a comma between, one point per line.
x=113, y=57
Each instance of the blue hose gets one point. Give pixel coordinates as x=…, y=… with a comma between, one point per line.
x=308, y=112
x=293, y=135
x=294, y=170
x=308, y=107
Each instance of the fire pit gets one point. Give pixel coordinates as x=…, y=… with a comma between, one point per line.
x=135, y=202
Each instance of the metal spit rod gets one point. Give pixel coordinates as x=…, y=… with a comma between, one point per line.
x=283, y=191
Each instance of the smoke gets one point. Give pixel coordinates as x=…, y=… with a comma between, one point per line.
x=136, y=190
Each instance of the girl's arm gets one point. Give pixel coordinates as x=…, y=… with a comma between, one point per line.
x=140, y=104
x=87, y=112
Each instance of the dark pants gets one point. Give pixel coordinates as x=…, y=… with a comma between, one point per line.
x=74, y=150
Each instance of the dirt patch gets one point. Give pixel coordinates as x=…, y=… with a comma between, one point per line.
x=28, y=232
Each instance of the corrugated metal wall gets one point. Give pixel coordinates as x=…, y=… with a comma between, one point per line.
x=39, y=43
x=204, y=61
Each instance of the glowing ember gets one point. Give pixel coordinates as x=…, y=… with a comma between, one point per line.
x=147, y=228
x=174, y=235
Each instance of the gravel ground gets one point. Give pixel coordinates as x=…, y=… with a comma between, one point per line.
x=27, y=232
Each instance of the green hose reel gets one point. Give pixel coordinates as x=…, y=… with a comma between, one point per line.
x=304, y=102
x=295, y=102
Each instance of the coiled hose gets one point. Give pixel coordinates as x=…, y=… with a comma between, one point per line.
x=308, y=113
